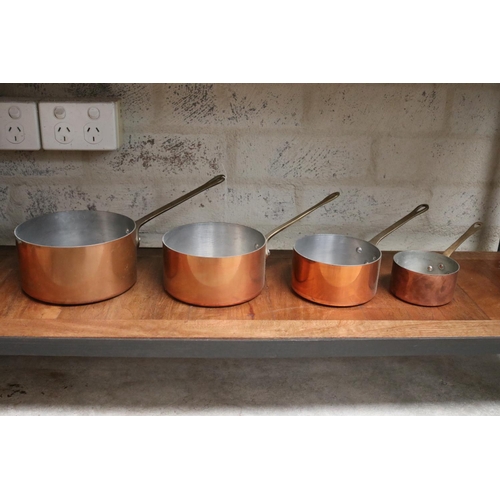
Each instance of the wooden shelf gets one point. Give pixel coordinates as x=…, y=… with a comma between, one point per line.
x=145, y=321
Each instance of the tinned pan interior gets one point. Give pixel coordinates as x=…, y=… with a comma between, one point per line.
x=337, y=250
x=214, y=239
x=428, y=263
x=74, y=228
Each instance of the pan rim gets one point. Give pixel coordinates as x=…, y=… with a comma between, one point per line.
x=426, y=252
x=24, y=241
x=336, y=265
x=218, y=223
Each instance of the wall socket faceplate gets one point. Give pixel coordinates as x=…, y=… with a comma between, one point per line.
x=81, y=125
x=19, y=125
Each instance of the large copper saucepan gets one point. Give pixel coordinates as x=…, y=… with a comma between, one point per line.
x=338, y=270
x=80, y=256
x=216, y=264
x=427, y=278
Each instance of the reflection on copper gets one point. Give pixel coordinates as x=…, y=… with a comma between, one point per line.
x=214, y=281
x=334, y=285
x=78, y=275
x=422, y=289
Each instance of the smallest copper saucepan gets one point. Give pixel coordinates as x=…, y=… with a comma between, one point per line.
x=427, y=278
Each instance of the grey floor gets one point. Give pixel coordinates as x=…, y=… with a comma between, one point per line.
x=343, y=386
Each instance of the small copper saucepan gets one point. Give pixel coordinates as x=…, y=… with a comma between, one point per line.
x=427, y=278
x=338, y=270
x=216, y=264
x=83, y=256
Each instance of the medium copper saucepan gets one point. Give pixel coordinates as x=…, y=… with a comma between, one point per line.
x=338, y=270
x=427, y=278
x=80, y=256
x=217, y=264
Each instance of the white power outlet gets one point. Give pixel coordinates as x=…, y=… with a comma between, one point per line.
x=19, y=125
x=92, y=133
x=14, y=133
x=80, y=125
x=63, y=132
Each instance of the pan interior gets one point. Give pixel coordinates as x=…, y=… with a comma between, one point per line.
x=429, y=263
x=337, y=249
x=214, y=239
x=74, y=228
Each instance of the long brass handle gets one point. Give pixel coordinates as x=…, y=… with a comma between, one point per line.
x=386, y=232
x=326, y=200
x=211, y=183
x=473, y=229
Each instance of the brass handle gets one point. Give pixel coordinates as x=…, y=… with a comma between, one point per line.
x=386, y=232
x=211, y=183
x=473, y=229
x=326, y=200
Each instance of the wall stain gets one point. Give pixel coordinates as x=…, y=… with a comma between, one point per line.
x=195, y=102
x=175, y=155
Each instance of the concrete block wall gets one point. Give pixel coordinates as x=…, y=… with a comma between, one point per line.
x=283, y=147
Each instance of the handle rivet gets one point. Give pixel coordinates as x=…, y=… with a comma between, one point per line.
x=441, y=266
x=359, y=249
x=430, y=268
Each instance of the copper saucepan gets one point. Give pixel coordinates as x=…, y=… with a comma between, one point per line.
x=217, y=264
x=427, y=278
x=81, y=256
x=338, y=270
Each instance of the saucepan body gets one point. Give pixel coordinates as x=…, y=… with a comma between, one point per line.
x=214, y=264
x=335, y=270
x=428, y=278
x=424, y=278
x=77, y=257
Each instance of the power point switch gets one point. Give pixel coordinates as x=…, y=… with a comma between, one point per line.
x=59, y=112
x=14, y=112
x=94, y=113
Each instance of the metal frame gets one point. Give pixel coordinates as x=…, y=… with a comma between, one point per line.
x=208, y=348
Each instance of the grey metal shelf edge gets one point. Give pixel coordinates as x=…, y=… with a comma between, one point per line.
x=202, y=348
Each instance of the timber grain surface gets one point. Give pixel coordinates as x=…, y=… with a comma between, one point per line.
x=146, y=311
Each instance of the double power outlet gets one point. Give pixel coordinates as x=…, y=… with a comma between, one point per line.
x=80, y=125
x=60, y=125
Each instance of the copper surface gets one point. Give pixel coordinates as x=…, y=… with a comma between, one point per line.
x=78, y=275
x=214, y=281
x=422, y=289
x=341, y=284
x=334, y=285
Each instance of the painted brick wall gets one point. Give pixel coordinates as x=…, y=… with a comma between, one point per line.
x=386, y=148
